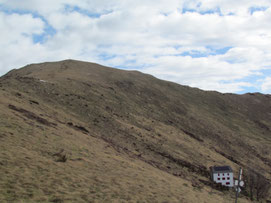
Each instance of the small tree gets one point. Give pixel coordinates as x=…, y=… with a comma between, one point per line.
x=262, y=187
x=257, y=185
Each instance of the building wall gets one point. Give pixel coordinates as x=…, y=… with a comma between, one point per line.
x=224, y=178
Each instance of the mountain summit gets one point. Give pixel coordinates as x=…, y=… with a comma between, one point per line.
x=73, y=131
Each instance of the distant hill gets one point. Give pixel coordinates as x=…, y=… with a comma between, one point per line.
x=73, y=131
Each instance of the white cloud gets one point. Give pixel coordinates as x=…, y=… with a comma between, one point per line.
x=16, y=40
x=266, y=85
x=16, y=26
x=157, y=38
x=240, y=7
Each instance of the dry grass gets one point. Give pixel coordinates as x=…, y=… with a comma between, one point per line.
x=141, y=143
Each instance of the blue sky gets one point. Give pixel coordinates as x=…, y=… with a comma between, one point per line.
x=220, y=45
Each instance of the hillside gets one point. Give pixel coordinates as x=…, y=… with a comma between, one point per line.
x=127, y=136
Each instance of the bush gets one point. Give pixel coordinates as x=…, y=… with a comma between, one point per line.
x=258, y=186
x=62, y=158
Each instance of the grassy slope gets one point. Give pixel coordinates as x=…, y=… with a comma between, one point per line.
x=147, y=140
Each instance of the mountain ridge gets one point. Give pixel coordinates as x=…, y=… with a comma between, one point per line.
x=178, y=130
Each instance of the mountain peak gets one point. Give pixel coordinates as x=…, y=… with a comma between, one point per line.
x=120, y=131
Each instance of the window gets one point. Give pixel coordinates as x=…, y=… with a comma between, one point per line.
x=228, y=178
x=228, y=174
x=218, y=178
x=218, y=174
x=227, y=183
x=223, y=178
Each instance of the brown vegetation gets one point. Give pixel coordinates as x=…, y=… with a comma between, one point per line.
x=72, y=131
x=257, y=186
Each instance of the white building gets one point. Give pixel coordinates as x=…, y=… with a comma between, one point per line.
x=223, y=175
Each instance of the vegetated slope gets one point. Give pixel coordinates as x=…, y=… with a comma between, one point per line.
x=77, y=131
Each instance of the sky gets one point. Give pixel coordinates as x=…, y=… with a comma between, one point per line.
x=221, y=45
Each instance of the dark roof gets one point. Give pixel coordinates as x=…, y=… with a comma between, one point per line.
x=221, y=169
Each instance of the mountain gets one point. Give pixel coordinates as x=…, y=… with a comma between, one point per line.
x=73, y=131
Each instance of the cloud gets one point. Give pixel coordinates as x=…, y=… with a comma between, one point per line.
x=16, y=40
x=266, y=85
x=213, y=45
x=225, y=7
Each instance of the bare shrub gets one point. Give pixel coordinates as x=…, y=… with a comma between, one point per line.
x=61, y=156
x=258, y=186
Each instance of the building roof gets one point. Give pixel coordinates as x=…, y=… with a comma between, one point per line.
x=221, y=169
